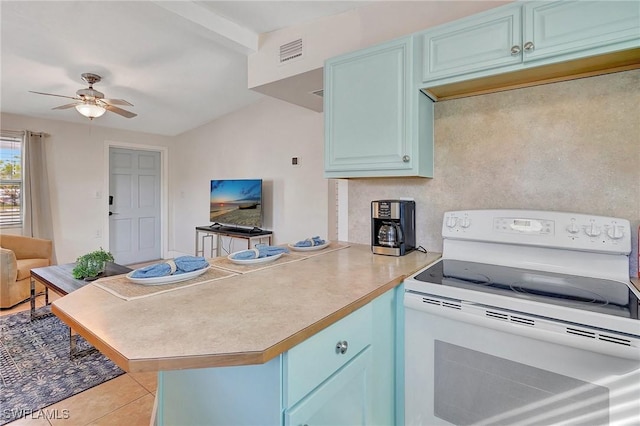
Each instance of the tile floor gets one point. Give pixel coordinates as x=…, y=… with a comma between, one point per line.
x=125, y=400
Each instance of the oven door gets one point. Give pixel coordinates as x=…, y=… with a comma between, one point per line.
x=462, y=371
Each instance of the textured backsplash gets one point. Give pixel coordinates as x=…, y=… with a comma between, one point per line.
x=572, y=146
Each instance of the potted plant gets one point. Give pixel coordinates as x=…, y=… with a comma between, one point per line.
x=90, y=265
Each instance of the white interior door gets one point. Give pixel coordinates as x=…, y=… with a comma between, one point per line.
x=135, y=219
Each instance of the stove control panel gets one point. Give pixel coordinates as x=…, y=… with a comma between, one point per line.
x=540, y=228
x=521, y=225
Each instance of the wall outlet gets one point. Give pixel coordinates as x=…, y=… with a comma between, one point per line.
x=98, y=233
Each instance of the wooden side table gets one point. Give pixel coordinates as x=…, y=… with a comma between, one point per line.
x=59, y=278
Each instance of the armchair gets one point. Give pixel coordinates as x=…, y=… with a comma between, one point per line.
x=18, y=254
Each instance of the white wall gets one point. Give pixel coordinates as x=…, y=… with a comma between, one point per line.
x=77, y=172
x=255, y=142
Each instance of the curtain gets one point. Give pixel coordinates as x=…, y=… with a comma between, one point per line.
x=38, y=222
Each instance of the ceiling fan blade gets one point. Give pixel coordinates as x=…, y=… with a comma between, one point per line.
x=120, y=111
x=51, y=94
x=67, y=105
x=117, y=102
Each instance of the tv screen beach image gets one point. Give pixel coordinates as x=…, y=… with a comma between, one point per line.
x=236, y=202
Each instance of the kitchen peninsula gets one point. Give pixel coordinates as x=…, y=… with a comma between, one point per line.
x=270, y=328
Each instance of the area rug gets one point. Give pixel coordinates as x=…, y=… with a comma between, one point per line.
x=35, y=367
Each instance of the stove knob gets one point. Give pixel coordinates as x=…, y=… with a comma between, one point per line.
x=573, y=228
x=615, y=232
x=451, y=222
x=465, y=222
x=593, y=230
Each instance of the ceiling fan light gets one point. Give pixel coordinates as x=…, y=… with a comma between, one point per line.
x=90, y=111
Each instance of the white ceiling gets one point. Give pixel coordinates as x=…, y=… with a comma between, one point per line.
x=178, y=74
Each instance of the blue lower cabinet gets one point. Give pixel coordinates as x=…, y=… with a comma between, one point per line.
x=343, y=375
x=319, y=357
x=345, y=398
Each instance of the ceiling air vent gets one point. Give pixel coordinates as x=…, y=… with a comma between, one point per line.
x=291, y=50
x=318, y=92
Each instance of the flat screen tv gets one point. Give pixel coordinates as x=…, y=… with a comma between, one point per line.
x=236, y=203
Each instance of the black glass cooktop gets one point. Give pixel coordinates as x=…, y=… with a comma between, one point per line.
x=592, y=294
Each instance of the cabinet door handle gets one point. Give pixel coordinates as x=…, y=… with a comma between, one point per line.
x=406, y=158
x=515, y=50
x=529, y=47
x=341, y=347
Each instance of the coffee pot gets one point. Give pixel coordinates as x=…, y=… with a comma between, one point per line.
x=393, y=227
x=390, y=234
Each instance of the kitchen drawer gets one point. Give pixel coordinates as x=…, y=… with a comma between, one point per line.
x=311, y=362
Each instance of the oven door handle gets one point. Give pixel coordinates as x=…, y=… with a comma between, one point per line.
x=545, y=330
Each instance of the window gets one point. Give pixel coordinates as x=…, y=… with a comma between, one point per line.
x=11, y=150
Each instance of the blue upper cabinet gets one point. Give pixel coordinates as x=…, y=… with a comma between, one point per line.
x=534, y=37
x=378, y=120
x=474, y=44
x=373, y=114
x=579, y=28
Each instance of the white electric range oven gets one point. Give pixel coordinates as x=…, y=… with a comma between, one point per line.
x=529, y=318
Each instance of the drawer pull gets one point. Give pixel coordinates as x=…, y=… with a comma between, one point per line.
x=341, y=347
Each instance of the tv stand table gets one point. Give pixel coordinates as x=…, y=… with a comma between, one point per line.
x=218, y=232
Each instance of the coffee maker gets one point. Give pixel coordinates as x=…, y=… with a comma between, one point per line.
x=393, y=227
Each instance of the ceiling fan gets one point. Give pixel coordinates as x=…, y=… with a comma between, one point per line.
x=90, y=102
